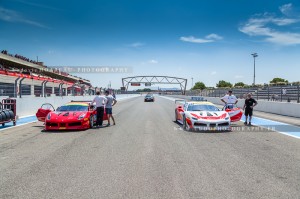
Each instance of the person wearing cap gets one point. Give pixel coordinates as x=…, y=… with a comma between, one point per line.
x=248, y=108
x=229, y=99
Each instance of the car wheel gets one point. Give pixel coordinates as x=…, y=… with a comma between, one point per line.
x=176, y=116
x=91, y=121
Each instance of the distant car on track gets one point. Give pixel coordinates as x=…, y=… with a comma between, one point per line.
x=149, y=98
x=75, y=115
x=201, y=115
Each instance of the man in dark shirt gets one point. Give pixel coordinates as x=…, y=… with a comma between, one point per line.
x=248, y=108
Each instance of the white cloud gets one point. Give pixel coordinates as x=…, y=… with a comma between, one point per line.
x=39, y=5
x=208, y=39
x=260, y=25
x=213, y=73
x=214, y=36
x=286, y=9
x=152, y=61
x=13, y=16
x=192, y=39
x=284, y=38
x=136, y=44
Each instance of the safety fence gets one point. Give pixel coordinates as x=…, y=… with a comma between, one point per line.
x=269, y=93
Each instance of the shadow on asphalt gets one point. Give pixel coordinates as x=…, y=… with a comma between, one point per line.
x=68, y=131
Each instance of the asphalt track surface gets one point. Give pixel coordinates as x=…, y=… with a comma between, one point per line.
x=147, y=155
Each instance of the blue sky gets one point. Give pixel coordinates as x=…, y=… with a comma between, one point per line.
x=209, y=40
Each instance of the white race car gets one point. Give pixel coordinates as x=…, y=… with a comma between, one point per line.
x=204, y=116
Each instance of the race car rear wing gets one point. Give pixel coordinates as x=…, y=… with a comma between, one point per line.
x=88, y=101
x=81, y=100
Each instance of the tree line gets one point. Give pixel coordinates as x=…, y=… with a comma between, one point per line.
x=225, y=84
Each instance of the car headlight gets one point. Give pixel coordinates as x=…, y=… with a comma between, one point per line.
x=49, y=116
x=81, y=116
x=193, y=118
x=227, y=118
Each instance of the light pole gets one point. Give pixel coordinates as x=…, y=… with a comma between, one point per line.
x=254, y=56
x=192, y=82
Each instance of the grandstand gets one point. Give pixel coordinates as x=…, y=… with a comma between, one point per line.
x=20, y=76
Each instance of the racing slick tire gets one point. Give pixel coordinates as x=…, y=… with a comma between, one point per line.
x=91, y=121
x=175, y=116
x=11, y=114
x=4, y=116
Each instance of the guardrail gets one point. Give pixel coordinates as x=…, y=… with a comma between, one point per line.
x=267, y=93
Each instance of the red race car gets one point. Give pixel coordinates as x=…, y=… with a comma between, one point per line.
x=75, y=115
x=234, y=112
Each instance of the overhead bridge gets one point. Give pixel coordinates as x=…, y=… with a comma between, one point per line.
x=150, y=80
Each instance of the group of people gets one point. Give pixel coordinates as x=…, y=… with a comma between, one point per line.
x=106, y=102
x=249, y=104
x=20, y=57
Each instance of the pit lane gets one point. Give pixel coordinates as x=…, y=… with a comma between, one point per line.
x=147, y=155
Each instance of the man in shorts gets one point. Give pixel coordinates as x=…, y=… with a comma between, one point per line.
x=248, y=108
x=110, y=101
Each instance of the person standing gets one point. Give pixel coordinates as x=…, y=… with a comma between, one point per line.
x=100, y=101
x=248, y=108
x=111, y=101
x=229, y=99
x=283, y=91
x=114, y=95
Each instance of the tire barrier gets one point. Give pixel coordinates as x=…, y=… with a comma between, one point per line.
x=6, y=114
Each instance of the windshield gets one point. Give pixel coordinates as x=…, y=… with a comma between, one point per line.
x=148, y=95
x=202, y=107
x=73, y=108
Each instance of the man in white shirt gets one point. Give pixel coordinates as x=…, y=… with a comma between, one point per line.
x=229, y=99
x=100, y=101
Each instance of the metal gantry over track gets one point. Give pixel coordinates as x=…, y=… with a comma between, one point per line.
x=150, y=80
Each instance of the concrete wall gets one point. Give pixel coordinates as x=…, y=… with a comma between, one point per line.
x=280, y=108
x=7, y=79
x=29, y=105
